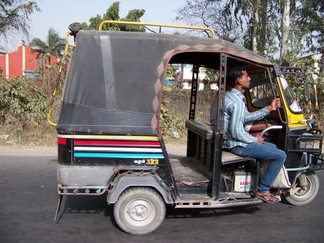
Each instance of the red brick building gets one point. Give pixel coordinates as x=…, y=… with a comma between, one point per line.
x=20, y=62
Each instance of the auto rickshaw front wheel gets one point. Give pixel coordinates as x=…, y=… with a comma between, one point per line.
x=139, y=210
x=304, y=190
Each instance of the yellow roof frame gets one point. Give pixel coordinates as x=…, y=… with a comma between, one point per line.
x=158, y=25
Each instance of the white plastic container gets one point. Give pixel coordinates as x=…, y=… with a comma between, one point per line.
x=243, y=181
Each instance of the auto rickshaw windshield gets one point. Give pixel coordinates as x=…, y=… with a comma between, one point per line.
x=288, y=96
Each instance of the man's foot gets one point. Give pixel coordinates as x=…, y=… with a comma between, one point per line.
x=276, y=192
x=267, y=197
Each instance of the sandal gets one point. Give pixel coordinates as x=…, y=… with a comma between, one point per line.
x=276, y=193
x=267, y=197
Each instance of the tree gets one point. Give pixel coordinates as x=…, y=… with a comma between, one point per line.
x=14, y=15
x=289, y=28
x=211, y=14
x=254, y=17
x=241, y=21
x=285, y=28
x=310, y=21
x=112, y=13
x=53, y=46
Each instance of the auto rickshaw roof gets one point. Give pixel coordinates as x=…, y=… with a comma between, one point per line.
x=115, y=79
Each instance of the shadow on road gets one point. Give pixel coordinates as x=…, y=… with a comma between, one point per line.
x=98, y=204
x=82, y=204
x=203, y=213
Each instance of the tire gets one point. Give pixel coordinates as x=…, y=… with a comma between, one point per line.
x=300, y=196
x=139, y=210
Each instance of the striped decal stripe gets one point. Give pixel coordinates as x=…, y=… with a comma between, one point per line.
x=118, y=143
x=116, y=149
x=110, y=137
x=119, y=155
x=136, y=147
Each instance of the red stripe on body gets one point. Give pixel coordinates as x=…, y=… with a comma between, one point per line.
x=118, y=143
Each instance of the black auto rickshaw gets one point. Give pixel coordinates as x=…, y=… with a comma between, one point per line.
x=110, y=142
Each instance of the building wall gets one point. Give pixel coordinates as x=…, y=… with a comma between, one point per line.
x=3, y=63
x=15, y=63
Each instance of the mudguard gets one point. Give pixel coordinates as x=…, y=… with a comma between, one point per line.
x=126, y=181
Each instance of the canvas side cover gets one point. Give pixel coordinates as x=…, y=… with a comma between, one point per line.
x=113, y=85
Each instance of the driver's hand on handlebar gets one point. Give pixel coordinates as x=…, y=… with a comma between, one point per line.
x=274, y=104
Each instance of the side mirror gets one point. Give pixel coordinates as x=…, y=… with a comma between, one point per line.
x=75, y=28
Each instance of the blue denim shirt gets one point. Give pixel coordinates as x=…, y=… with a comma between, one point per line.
x=236, y=115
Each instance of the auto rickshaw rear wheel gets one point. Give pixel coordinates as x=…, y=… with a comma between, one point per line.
x=304, y=191
x=139, y=210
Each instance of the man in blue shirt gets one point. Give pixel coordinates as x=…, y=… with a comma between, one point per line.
x=239, y=141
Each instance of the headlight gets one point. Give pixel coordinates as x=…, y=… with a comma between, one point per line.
x=308, y=144
x=317, y=144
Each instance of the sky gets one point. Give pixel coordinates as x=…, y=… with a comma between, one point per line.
x=59, y=14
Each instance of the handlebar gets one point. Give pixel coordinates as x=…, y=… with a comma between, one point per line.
x=270, y=128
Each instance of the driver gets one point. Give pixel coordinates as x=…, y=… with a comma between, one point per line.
x=240, y=142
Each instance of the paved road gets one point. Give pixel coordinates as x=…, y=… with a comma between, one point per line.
x=28, y=201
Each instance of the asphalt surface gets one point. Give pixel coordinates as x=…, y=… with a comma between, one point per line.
x=28, y=201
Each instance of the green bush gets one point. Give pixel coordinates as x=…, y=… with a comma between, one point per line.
x=175, y=110
x=23, y=106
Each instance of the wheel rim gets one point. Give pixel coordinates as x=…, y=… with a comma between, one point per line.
x=304, y=191
x=140, y=212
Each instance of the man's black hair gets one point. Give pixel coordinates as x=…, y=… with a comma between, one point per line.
x=233, y=73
